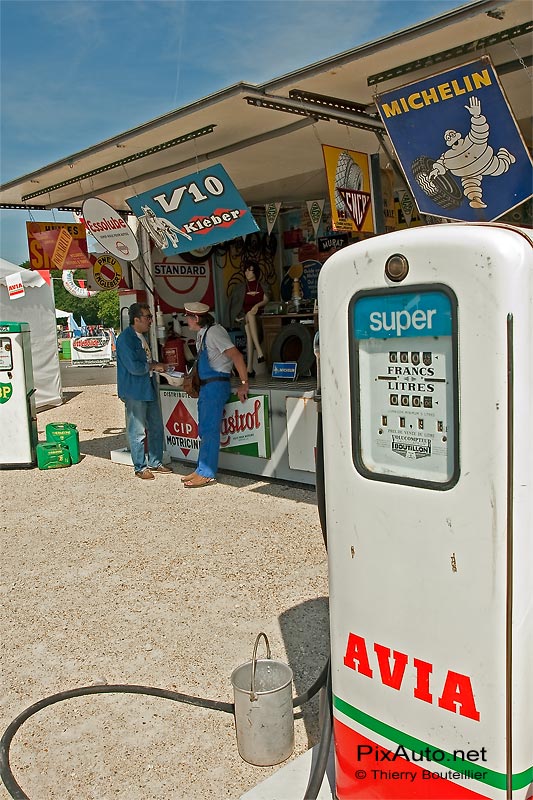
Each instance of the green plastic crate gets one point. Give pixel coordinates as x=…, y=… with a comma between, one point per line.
x=67, y=434
x=52, y=455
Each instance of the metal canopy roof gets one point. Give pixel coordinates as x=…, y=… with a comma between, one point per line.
x=275, y=153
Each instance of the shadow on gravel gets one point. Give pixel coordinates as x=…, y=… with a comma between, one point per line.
x=67, y=397
x=102, y=447
x=269, y=486
x=305, y=631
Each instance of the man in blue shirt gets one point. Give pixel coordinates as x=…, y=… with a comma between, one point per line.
x=137, y=388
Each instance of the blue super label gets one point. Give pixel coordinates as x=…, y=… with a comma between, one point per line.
x=395, y=315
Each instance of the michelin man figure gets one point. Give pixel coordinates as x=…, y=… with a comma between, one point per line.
x=471, y=159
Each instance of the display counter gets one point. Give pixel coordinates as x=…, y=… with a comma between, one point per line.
x=272, y=434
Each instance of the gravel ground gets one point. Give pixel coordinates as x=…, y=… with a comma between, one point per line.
x=106, y=578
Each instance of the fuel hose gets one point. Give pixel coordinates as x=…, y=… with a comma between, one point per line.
x=16, y=791
x=318, y=769
x=322, y=682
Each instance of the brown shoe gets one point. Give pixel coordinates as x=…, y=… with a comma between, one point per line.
x=188, y=477
x=198, y=481
x=145, y=475
x=162, y=470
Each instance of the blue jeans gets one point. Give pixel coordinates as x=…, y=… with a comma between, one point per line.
x=213, y=398
x=143, y=419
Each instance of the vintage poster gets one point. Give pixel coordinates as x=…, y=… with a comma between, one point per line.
x=196, y=211
x=350, y=190
x=459, y=144
x=57, y=245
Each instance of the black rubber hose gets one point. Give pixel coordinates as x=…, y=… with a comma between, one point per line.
x=6, y=774
x=324, y=679
x=5, y=770
x=319, y=769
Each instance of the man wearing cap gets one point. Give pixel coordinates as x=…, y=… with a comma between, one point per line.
x=137, y=388
x=216, y=357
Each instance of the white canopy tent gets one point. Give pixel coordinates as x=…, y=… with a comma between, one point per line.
x=60, y=314
x=37, y=308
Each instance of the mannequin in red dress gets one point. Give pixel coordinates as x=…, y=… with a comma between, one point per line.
x=254, y=299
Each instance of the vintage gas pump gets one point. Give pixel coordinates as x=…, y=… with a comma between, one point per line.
x=427, y=375
x=18, y=421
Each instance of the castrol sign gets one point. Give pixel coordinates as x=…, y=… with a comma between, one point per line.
x=109, y=229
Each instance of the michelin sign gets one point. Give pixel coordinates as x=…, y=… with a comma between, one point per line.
x=458, y=143
x=194, y=212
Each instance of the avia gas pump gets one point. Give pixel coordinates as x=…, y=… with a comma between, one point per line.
x=426, y=357
x=18, y=420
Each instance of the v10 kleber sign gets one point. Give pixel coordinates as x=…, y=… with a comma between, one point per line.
x=198, y=210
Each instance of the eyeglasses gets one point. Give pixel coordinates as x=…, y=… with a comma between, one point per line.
x=148, y=316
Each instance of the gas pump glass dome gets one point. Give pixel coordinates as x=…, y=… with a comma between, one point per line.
x=396, y=268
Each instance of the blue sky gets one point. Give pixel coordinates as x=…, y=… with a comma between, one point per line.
x=75, y=73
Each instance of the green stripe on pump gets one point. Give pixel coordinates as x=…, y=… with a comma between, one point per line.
x=492, y=778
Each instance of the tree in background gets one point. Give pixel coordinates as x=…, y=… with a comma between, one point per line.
x=101, y=309
x=108, y=309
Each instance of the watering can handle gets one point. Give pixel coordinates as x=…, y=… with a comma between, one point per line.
x=253, y=695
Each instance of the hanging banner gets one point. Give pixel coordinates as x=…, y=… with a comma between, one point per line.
x=271, y=213
x=109, y=229
x=459, y=144
x=57, y=245
x=15, y=286
x=407, y=205
x=95, y=350
x=198, y=210
x=315, y=209
x=350, y=189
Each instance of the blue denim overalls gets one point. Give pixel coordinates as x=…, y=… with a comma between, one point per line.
x=213, y=397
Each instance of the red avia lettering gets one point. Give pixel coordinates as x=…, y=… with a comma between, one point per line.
x=241, y=422
x=457, y=695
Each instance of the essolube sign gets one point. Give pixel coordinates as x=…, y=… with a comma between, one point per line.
x=398, y=315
